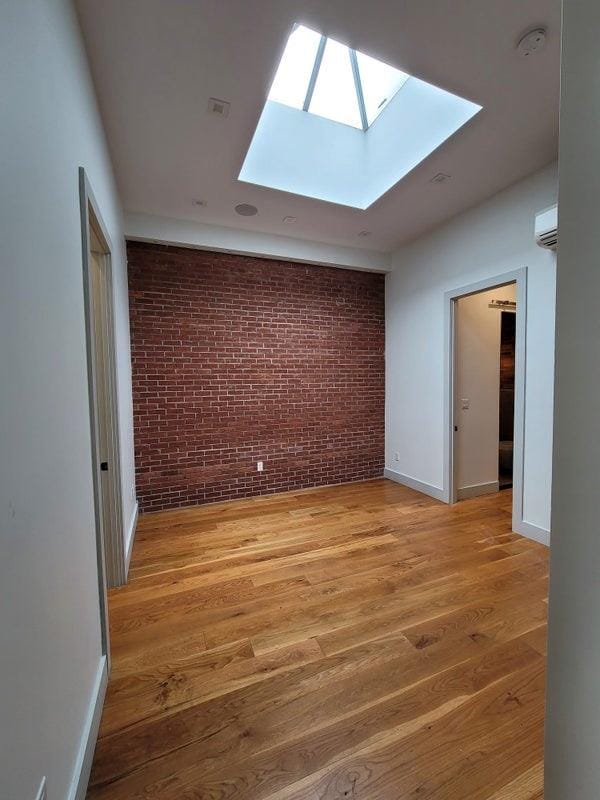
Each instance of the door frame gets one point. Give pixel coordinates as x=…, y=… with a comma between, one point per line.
x=518, y=277
x=110, y=550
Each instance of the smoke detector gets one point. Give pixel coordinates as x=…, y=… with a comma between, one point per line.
x=532, y=42
x=218, y=107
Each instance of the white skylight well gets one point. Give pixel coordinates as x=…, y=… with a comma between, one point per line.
x=322, y=133
x=327, y=78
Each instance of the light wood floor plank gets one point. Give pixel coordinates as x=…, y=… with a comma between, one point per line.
x=359, y=642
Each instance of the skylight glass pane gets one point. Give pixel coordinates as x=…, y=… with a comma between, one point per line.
x=295, y=68
x=335, y=93
x=380, y=82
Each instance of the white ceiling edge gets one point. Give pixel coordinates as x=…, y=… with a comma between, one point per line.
x=461, y=224
x=183, y=233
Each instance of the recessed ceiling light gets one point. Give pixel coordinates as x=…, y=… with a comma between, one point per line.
x=363, y=234
x=201, y=203
x=246, y=210
x=289, y=220
x=441, y=177
x=532, y=42
x=218, y=107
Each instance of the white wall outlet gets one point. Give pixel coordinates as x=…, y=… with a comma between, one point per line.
x=42, y=795
x=260, y=466
x=133, y=491
x=396, y=456
x=465, y=404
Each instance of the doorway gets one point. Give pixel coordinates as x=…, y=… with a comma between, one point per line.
x=506, y=403
x=478, y=446
x=100, y=342
x=485, y=389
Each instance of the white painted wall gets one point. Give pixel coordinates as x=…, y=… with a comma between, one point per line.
x=477, y=354
x=493, y=238
x=49, y=612
x=573, y=694
x=146, y=228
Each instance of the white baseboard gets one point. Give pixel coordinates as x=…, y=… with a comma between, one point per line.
x=477, y=489
x=534, y=532
x=413, y=483
x=131, y=538
x=83, y=766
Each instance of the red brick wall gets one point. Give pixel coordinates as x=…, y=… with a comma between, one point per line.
x=239, y=359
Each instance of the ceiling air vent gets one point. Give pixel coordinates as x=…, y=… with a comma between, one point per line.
x=218, y=107
x=441, y=177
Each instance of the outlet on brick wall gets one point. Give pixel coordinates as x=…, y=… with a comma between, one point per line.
x=235, y=355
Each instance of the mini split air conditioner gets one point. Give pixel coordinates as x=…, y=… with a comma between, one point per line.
x=546, y=228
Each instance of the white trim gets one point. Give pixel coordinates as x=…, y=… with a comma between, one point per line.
x=534, y=532
x=83, y=765
x=413, y=483
x=131, y=538
x=477, y=489
x=86, y=199
x=519, y=277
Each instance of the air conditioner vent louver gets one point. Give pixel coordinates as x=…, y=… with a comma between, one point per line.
x=549, y=239
x=546, y=228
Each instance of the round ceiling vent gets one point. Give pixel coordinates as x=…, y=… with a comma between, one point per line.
x=246, y=210
x=532, y=42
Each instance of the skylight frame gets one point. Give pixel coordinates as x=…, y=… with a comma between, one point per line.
x=358, y=87
x=355, y=70
x=324, y=154
x=310, y=89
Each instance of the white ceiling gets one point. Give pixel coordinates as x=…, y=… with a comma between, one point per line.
x=157, y=62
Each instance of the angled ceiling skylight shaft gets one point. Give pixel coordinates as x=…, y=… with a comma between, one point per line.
x=316, y=138
x=324, y=77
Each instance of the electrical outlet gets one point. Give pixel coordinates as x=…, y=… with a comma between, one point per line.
x=133, y=491
x=42, y=795
x=396, y=456
x=260, y=466
x=465, y=404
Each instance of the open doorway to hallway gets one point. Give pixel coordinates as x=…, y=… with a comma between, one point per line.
x=484, y=397
x=506, y=421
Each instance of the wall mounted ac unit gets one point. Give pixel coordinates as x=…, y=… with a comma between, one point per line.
x=546, y=228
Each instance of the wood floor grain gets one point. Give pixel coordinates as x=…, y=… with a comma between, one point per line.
x=360, y=642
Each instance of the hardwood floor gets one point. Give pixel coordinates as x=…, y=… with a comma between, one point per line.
x=361, y=642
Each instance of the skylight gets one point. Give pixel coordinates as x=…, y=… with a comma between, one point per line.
x=324, y=77
x=316, y=137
